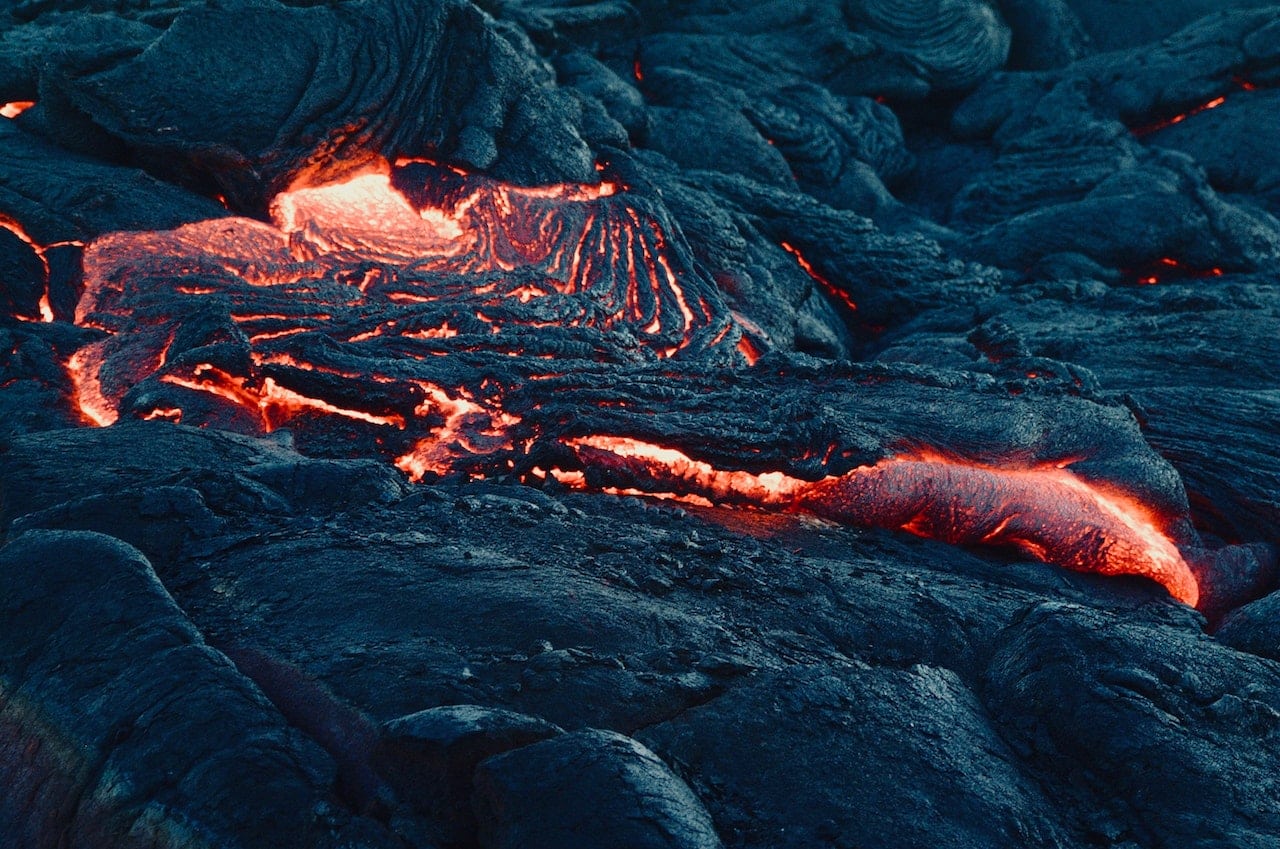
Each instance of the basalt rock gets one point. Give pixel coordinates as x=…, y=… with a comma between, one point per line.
x=594, y=789
x=684, y=424
x=122, y=727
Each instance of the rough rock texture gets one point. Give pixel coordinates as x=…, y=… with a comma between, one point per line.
x=122, y=727
x=337, y=337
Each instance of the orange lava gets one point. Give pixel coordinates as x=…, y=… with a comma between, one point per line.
x=1240, y=83
x=83, y=368
x=469, y=429
x=375, y=261
x=45, y=306
x=825, y=284
x=581, y=240
x=1170, y=268
x=14, y=108
x=1049, y=512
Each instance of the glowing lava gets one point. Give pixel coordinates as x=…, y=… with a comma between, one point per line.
x=41, y=251
x=1049, y=512
x=826, y=285
x=1169, y=268
x=404, y=310
x=14, y=108
x=1240, y=83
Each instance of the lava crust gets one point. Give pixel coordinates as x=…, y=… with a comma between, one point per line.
x=755, y=424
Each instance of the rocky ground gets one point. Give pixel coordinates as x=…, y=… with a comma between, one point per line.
x=357, y=562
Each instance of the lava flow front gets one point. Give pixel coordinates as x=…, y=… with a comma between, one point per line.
x=1049, y=512
x=422, y=314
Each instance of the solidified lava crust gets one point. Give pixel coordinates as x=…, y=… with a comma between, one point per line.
x=457, y=424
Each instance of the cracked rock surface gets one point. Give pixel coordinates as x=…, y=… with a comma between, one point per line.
x=379, y=576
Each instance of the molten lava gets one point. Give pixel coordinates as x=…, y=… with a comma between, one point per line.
x=826, y=285
x=1240, y=83
x=14, y=108
x=1168, y=268
x=1049, y=512
x=45, y=305
x=408, y=306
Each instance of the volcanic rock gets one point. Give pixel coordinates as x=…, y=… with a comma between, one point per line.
x=124, y=728
x=590, y=789
x=429, y=758
x=851, y=421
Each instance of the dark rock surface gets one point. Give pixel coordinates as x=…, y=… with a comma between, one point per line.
x=377, y=579
x=122, y=727
x=589, y=789
x=429, y=758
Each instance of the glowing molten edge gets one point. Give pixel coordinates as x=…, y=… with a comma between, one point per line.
x=1049, y=512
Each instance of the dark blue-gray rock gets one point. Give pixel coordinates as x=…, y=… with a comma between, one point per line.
x=588, y=789
x=283, y=104
x=121, y=727
x=1159, y=726
x=429, y=758
x=890, y=758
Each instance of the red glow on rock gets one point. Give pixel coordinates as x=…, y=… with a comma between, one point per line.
x=1240, y=83
x=1179, y=118
x=165, y=414
x=1048, y=511
x=469, y=429
x=45, y=307
x=579, y=241
x=1168, y=268
x=14, y=108
x=399, y=258
x=825, y=284
x=83, y=368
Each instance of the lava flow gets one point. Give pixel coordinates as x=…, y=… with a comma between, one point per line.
x=1049, y=512
x=418, y=255
x=401, y=311
x=1200, y=108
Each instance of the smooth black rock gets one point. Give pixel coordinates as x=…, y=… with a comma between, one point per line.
x=587, y=789
x=428, y=758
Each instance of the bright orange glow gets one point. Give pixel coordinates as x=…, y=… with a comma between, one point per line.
x=444, y=331
x=273, y=404
x=580, y=239
x=14, y=108
x=166, y=414
x=279, y=404
x=1049, y=512
x=469, y=429
x=396, y=256
x=83, y=368
x=1174, y=269
x=1214, y=103
x=694, y=476
x=45, y=306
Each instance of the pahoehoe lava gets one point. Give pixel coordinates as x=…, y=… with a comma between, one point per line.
x=340, y=340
